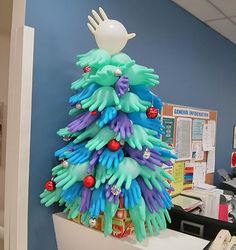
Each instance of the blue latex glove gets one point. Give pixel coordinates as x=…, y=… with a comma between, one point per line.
x=79, y=156
x=142, y=120
x=109, y=158
x=97, y=203
x=69, y=195
x=69, y=147
x=108, y=115
x=85, y=93
x=145, y=94
x=165, y=153
x=132, y=196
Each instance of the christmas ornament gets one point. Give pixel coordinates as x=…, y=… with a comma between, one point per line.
x=93, y=112
x=50, y=185
x=89, y=181
x=78, y=106
x=152, y=112
x=65, y=164
x=66, y=138
x=115, y=191
x=233, y=159
x=86, y=69
x=92, y=222
x=122, y=142
x=113, y=145
x=118, y=72
x=146, y=154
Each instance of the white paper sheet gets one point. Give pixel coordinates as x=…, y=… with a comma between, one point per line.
x=211, y=161
x=199, y=173
x=183, y=138
x=197, y=151
x=207, y=137
x=197, y=129
x=212, y=125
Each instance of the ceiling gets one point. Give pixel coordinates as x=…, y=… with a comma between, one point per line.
x=220, y=15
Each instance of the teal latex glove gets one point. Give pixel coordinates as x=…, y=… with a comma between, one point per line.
x=100, y=139
x=75, y=111
x=65, y=132
x=71, y=175
x=139, y=74
x=130, y=102
x=57, y=169
x=109, y=213
x=73, y=208
x=85, y=218
x=151, y=177
x=94, y=58
x=138, y=216
x=101, y=98
x=102, y=174
x=142, y=137
x=50, y=197
x=122, y=60
x=154, y=222
x=90, y=132
x=83, y=82
x=128, y=170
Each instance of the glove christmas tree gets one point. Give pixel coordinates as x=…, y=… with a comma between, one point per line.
x=113, y=151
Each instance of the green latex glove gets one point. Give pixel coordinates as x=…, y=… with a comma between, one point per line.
x=71, y=175
x=142, y=137
x=94, y=58
x=122, y=60
x=75, y=111
x=128, y=170
x=73, y=208
x=100, y=139
x=151, y=177
x=109, y=213
x=130, y=102
x=101, y=98
x=65, y=132
x=82, y=82
x=102, y=174
x=90, y=132
x=138, y=216
x=139, y=74
x=50, y=197
x=85, y=218
x=57, y=169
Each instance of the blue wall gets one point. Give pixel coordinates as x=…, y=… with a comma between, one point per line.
x=195, y=64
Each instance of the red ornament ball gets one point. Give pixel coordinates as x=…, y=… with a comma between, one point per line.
x=50, y=185
x=113, y=145
x=89, y=181
x=152, y=112
x=93, y=112
x=86, y=69
x=233, y=160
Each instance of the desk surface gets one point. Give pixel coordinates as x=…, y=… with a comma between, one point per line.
x=69, y=233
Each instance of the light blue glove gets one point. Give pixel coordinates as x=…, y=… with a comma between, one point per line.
x=60, y=152
x=70, y=194
x=108, y=115
x=109, y=158
x=97, y=203
x=165, y=153
x=132, y=196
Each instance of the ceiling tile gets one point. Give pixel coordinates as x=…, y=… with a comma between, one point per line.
x=227, y=6
x=225, y=28
x=200, y=8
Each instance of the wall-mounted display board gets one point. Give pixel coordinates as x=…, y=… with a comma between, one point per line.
x=192, y=132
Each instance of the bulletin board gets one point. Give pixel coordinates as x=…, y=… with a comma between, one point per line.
x=192, y=131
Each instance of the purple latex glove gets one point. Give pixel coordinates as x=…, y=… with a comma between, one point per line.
x=94, y=160
x=110, y=196
x=83, y=121
x=151, y=162
x=122, y=85
x=85, y=200
x=153, y=198
x=122, y=124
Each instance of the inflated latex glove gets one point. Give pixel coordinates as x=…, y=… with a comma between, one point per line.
x=108, y=115
x=90, y=132
x=57, y=169
x=50, y=197
x=68, y=148
x=71, y=175
x=70, y=194
x=132, y=196
x=85, y=217
x=100, y=139
x=101, y=98
x=165, y=153
x=130, y=102
x=97, y=204
x=110, y=196
x=94, y=160
x=152, y=222
x=96, y=58
x=142, y=120
x=102, y=174
x=85, y=93
x=73, y=208
x=128, y=170
x=64, y=132
x=109, y=159
x=75, y=111
x=145, y=94
x=122, y=85
x=152, y=178
x=139, y=74
x=122, y=60
x=138, y=217
x=151, y=162
x=152, y=198
x=83, y=121
x=109, y=213
x=122, y=124
x=83, y=82
x=85, y=199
